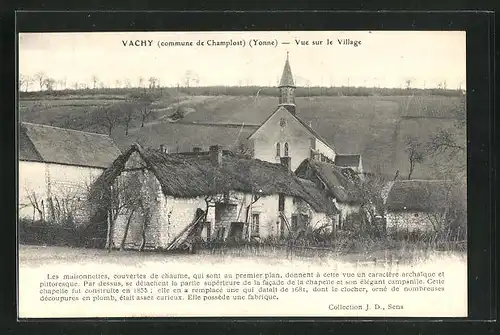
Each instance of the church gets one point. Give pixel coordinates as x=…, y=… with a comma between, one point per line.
x=285, y=134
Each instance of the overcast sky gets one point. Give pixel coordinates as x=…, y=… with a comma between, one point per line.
x=385, y=59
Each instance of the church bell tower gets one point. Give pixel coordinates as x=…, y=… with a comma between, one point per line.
x=287, y=88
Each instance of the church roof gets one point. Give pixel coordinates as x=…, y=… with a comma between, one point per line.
x=302, y=122
x=287, y=77
x=42, y=143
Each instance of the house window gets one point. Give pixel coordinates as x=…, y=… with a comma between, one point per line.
x=286, y=149
x=281, y=202
x=255, y=224
x=278, y=150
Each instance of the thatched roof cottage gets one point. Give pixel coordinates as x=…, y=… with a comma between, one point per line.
x=418, y=205
x=243, y=198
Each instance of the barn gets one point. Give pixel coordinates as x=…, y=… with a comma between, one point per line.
x=235, y=197
x=56, y=167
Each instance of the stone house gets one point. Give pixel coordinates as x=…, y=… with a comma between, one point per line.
x=340, y=184
x=242, y=198
x=418, y=205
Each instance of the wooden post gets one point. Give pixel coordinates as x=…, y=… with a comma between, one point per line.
x=108, y=234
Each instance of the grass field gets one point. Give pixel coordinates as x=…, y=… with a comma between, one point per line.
x=375, y=126
x=38, y=256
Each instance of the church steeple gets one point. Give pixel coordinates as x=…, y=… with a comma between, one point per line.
x=287, y=88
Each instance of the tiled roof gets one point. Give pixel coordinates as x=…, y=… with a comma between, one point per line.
x=44, y=143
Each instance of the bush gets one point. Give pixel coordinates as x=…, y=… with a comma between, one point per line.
x=47, y=233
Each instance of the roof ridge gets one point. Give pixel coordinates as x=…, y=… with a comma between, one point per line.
x=314, y=132
x=64, y=129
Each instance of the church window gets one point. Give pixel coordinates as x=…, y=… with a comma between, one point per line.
x=286, y=150
x=282, y=122
x=278, y=149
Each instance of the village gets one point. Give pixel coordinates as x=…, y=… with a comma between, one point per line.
x=292, y=188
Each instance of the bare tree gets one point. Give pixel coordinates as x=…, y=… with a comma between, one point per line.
x=40, y=78
x=127, y=83
x=25, y=82
x=415, y=150
x=188, y=76
x=141, y=81
x=22, y=82
x=128, y=111
x=95, y=81
x=450, y=143
x=49, y=83
x=118, y=83
x=408, y=83
x=60, y=84
x=107, y=117
x=152, y=82
x=144, y=101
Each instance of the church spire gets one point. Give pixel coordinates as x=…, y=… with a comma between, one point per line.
x=287, y=88
x=287, y=77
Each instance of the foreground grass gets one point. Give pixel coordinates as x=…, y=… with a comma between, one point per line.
x=38, y=256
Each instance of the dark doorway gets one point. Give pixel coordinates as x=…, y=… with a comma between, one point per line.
x=236, y=231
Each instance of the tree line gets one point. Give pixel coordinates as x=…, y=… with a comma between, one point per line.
x=43, y=83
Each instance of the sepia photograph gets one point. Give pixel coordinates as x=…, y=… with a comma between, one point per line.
x=180, y=174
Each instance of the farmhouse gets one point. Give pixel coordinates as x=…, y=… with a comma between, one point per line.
x=285, y=134
x=418, y=205
x=56, y=166
x=229, y=196
x=341, y=184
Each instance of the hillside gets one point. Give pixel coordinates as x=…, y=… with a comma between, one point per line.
x=375, y=126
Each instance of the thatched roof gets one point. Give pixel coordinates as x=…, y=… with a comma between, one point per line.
x=347, y=160
x=42, y=143
x=182, y=137
x=341, y=183
x=418, y=195
x=188, y=175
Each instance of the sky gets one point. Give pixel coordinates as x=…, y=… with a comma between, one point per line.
x=383, y=58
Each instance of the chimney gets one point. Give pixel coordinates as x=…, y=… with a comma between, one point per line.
x=216, y=154
x=196, y=149
x=315, y=155
x=164, y=148
x=286, y=162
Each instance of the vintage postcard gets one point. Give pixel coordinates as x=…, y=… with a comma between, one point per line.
x=201, y=174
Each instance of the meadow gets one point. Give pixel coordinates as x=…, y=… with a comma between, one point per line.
x=375, y=126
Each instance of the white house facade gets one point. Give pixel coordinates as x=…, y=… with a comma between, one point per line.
x=56, y=168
